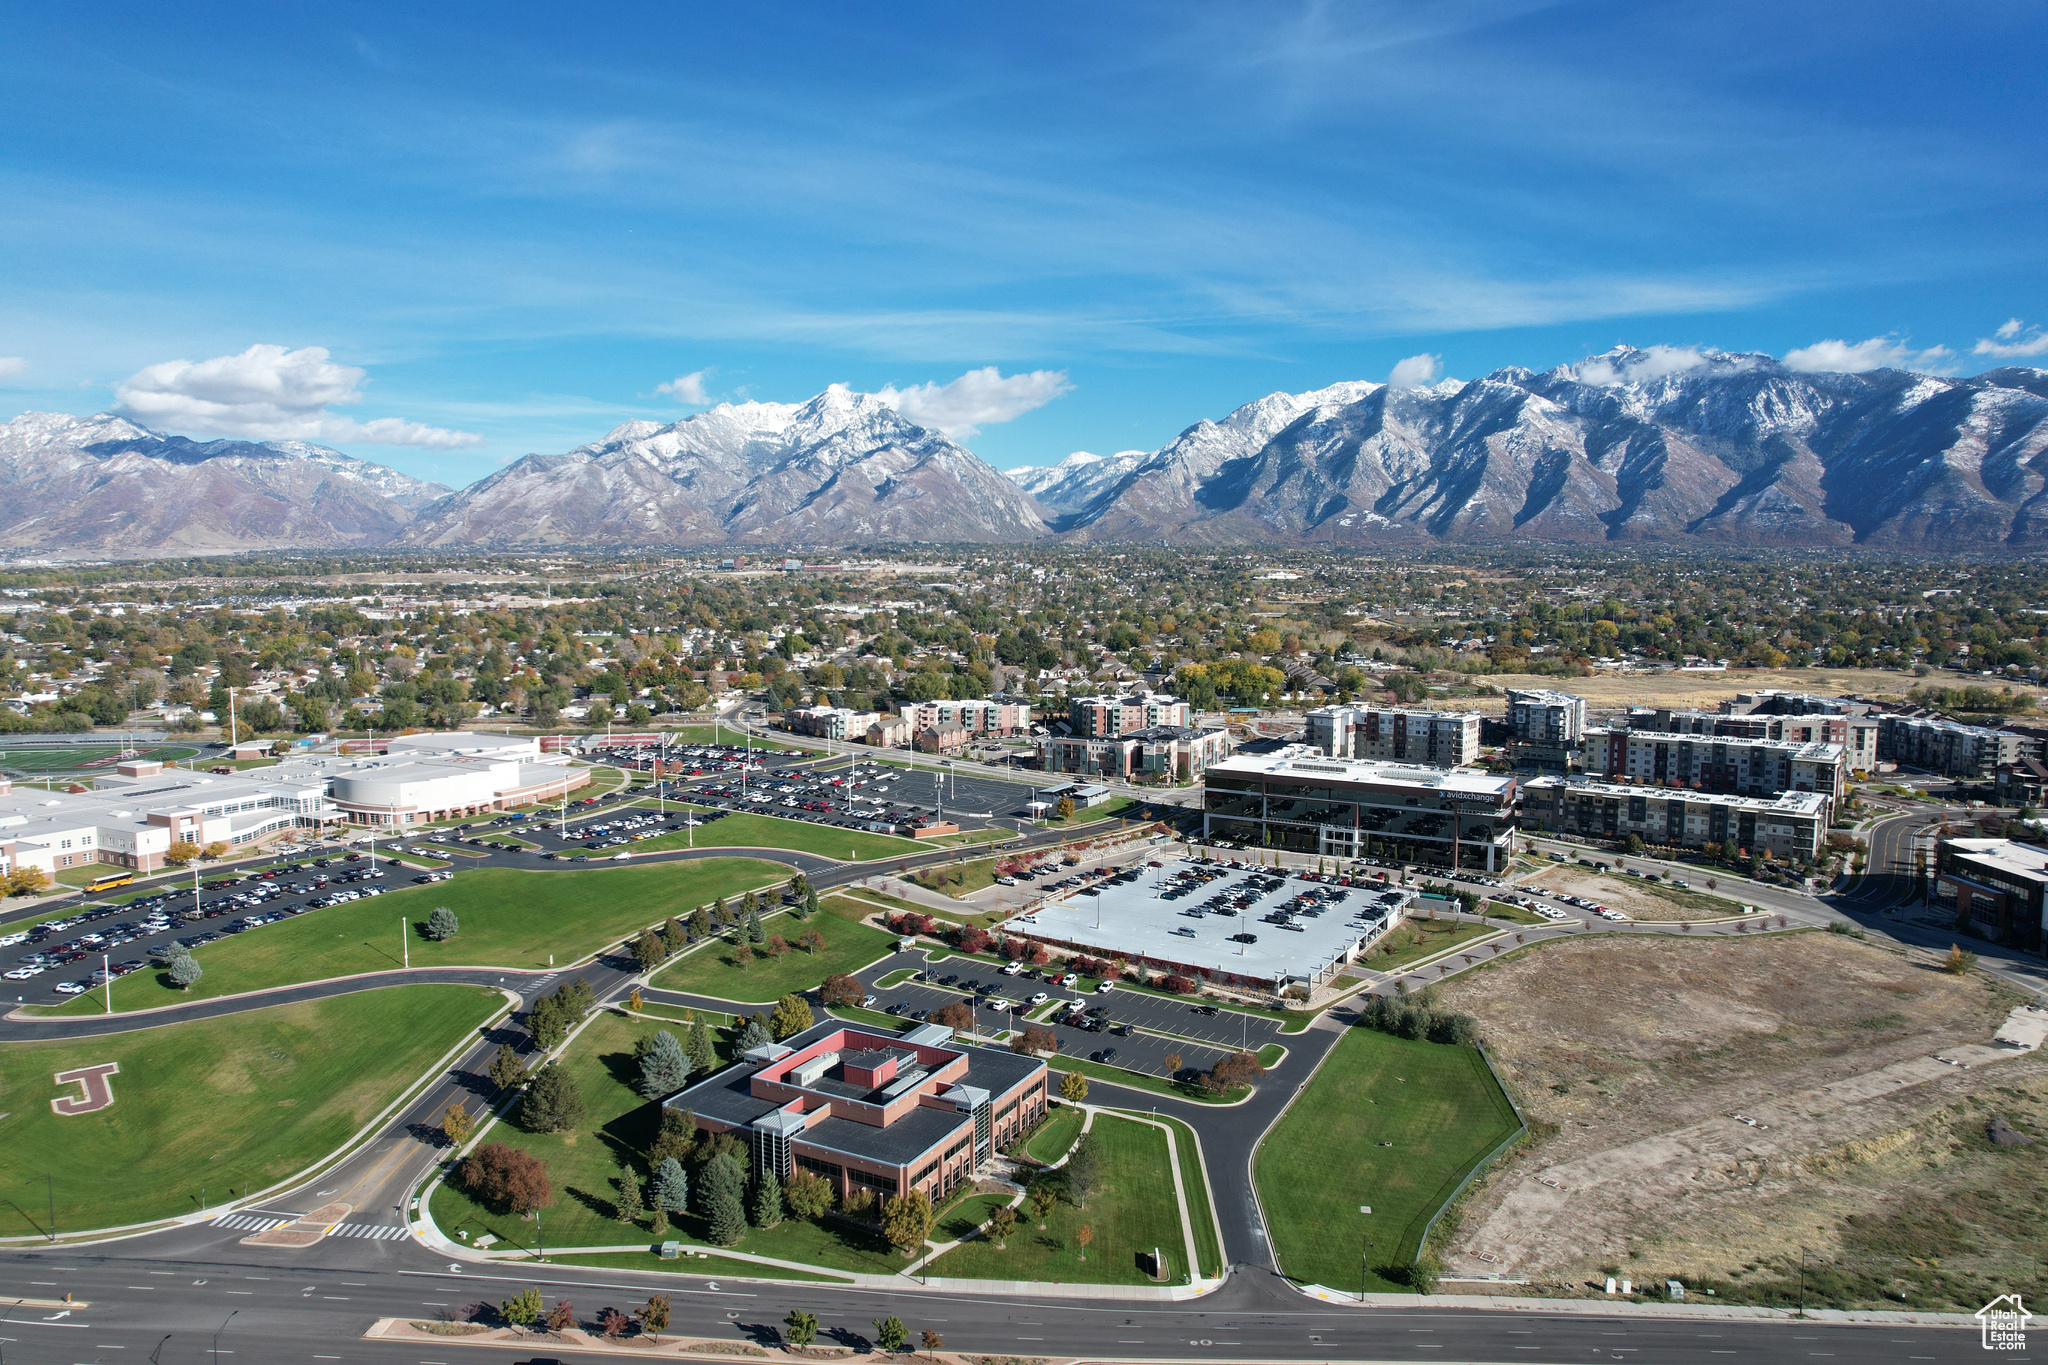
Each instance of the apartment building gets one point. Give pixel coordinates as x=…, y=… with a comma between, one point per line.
x=1998, y=885
x=1746, y=767
x=1179, y=753
x=1945, y=746
x=1436, y=739
x=1857, y=734
x=1102, y=716
x=1537, y=715
x=1792, y=824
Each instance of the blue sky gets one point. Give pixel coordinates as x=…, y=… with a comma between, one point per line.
x=507, y=227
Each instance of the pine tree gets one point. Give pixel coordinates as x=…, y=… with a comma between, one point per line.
x=666, y=1067
x=755, y=933
x=671, y=1186
x=629, y=1204
x=703, y=1056
x=721, y=913
x=767, y=1200
x=508, y=1072
x=810, y=901
x=754, y=1034
x=552, y=1102
x=725, y=1224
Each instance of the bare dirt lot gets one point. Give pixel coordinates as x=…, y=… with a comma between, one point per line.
x=1632, y=896
x=1705, y=1108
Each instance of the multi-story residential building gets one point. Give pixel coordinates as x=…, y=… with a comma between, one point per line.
x=889, y=732
x=1746, y=767
x=1944, y=746
x=978, y=718
x=1180, y=753
x=1997, y=885
x=1436, y=739
x=1789, y=825
x=870, y=1110
x=1537, y=715
x=2024, y=783
x=828, y=722
x=1856, y=733
x=1099, y=717
x=1456, y=817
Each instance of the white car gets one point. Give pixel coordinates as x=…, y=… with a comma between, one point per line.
x=1040, y=998
x=1105, y=988
x=11, y=939
x=620, y=857
x=23, y=973
x=73, y=987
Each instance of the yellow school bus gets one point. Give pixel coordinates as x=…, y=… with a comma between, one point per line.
x=109, y=882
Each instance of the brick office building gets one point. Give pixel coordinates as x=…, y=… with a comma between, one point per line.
x=872, y=1110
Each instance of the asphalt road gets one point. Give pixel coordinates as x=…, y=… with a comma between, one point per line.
x=315, y=1307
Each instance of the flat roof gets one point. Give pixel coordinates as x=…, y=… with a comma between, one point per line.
x=1300, y=768
x=1132, y=921
x=2020, y=860
x=1791, y=802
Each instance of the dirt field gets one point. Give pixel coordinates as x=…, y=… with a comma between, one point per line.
x=1633, y=896
x=1637, y=1062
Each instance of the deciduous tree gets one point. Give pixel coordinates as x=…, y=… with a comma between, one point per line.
x=553, y=1104
x=792, y=1016
x=907, y=1221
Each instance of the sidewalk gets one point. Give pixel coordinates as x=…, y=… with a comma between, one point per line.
x=1703, y=1311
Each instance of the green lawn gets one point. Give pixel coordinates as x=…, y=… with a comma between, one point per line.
x=744, y=829
x=72, y=757
x=692, y=1265
x=1441, y=1111
x=1133, y=1212
x=1051, y=1142
x=509, y=919
x=1108, y=810
x=715, y=970
x=1514, y=914
x=957, y=879
x=960, y=1218
x=228, y=1104
x=1139, y=1080
x=584, y=1162
x=1417, y=939
x=1195, y=1190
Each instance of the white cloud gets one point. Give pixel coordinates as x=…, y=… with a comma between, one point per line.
x=687, y=388
x=976, y=399
x=1637, y=367
x=269, y=393
x=1416, y=372
x=11, y=365
x=1878, y=353
x=2012, y=340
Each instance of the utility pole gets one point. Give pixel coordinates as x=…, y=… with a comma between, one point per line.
x=107, y=970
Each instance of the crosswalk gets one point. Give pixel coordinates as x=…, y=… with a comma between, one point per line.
x=369, y=1231
x=257, y=1222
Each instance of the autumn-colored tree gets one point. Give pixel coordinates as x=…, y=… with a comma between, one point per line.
x=457, y=1125
x=841, y=989
x=506, y=1177
x=1035, y=1039
x=956, y=1016
x=1171, y=1063
x=1074, y=1086
x=1083, y=1235
x=907, y=1221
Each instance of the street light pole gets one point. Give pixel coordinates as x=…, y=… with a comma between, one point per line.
x=50, y=1185
x=404, y=943
x=218, y=1330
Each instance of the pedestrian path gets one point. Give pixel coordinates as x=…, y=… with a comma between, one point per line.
x=248, y=1222
x=369, y=1231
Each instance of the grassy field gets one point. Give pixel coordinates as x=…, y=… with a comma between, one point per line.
x=73, y=757
x=509, y=919
x=1139, y=1080
x=715, y=970
x=744, y=829
x=1441, y=1111
x=1195, y=1190
x=957, y=879
x=584, y=1162
x=1108, y=810
x=1420, y=938
x=228, y=1104
x=1134, y=1211
x=1051, y=1142
x=1513, y=914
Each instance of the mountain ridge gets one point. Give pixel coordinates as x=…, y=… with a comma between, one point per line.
x=1631, y=446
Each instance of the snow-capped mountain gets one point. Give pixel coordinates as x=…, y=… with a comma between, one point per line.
x=103, y=486
x=843, y=468
x=1733, y=449
x=1078, y=480
x=1631, y=445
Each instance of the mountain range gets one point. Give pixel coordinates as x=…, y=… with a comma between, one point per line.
x=1629, y=446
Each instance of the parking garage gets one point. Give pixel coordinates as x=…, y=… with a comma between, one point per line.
x=1221, y=922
